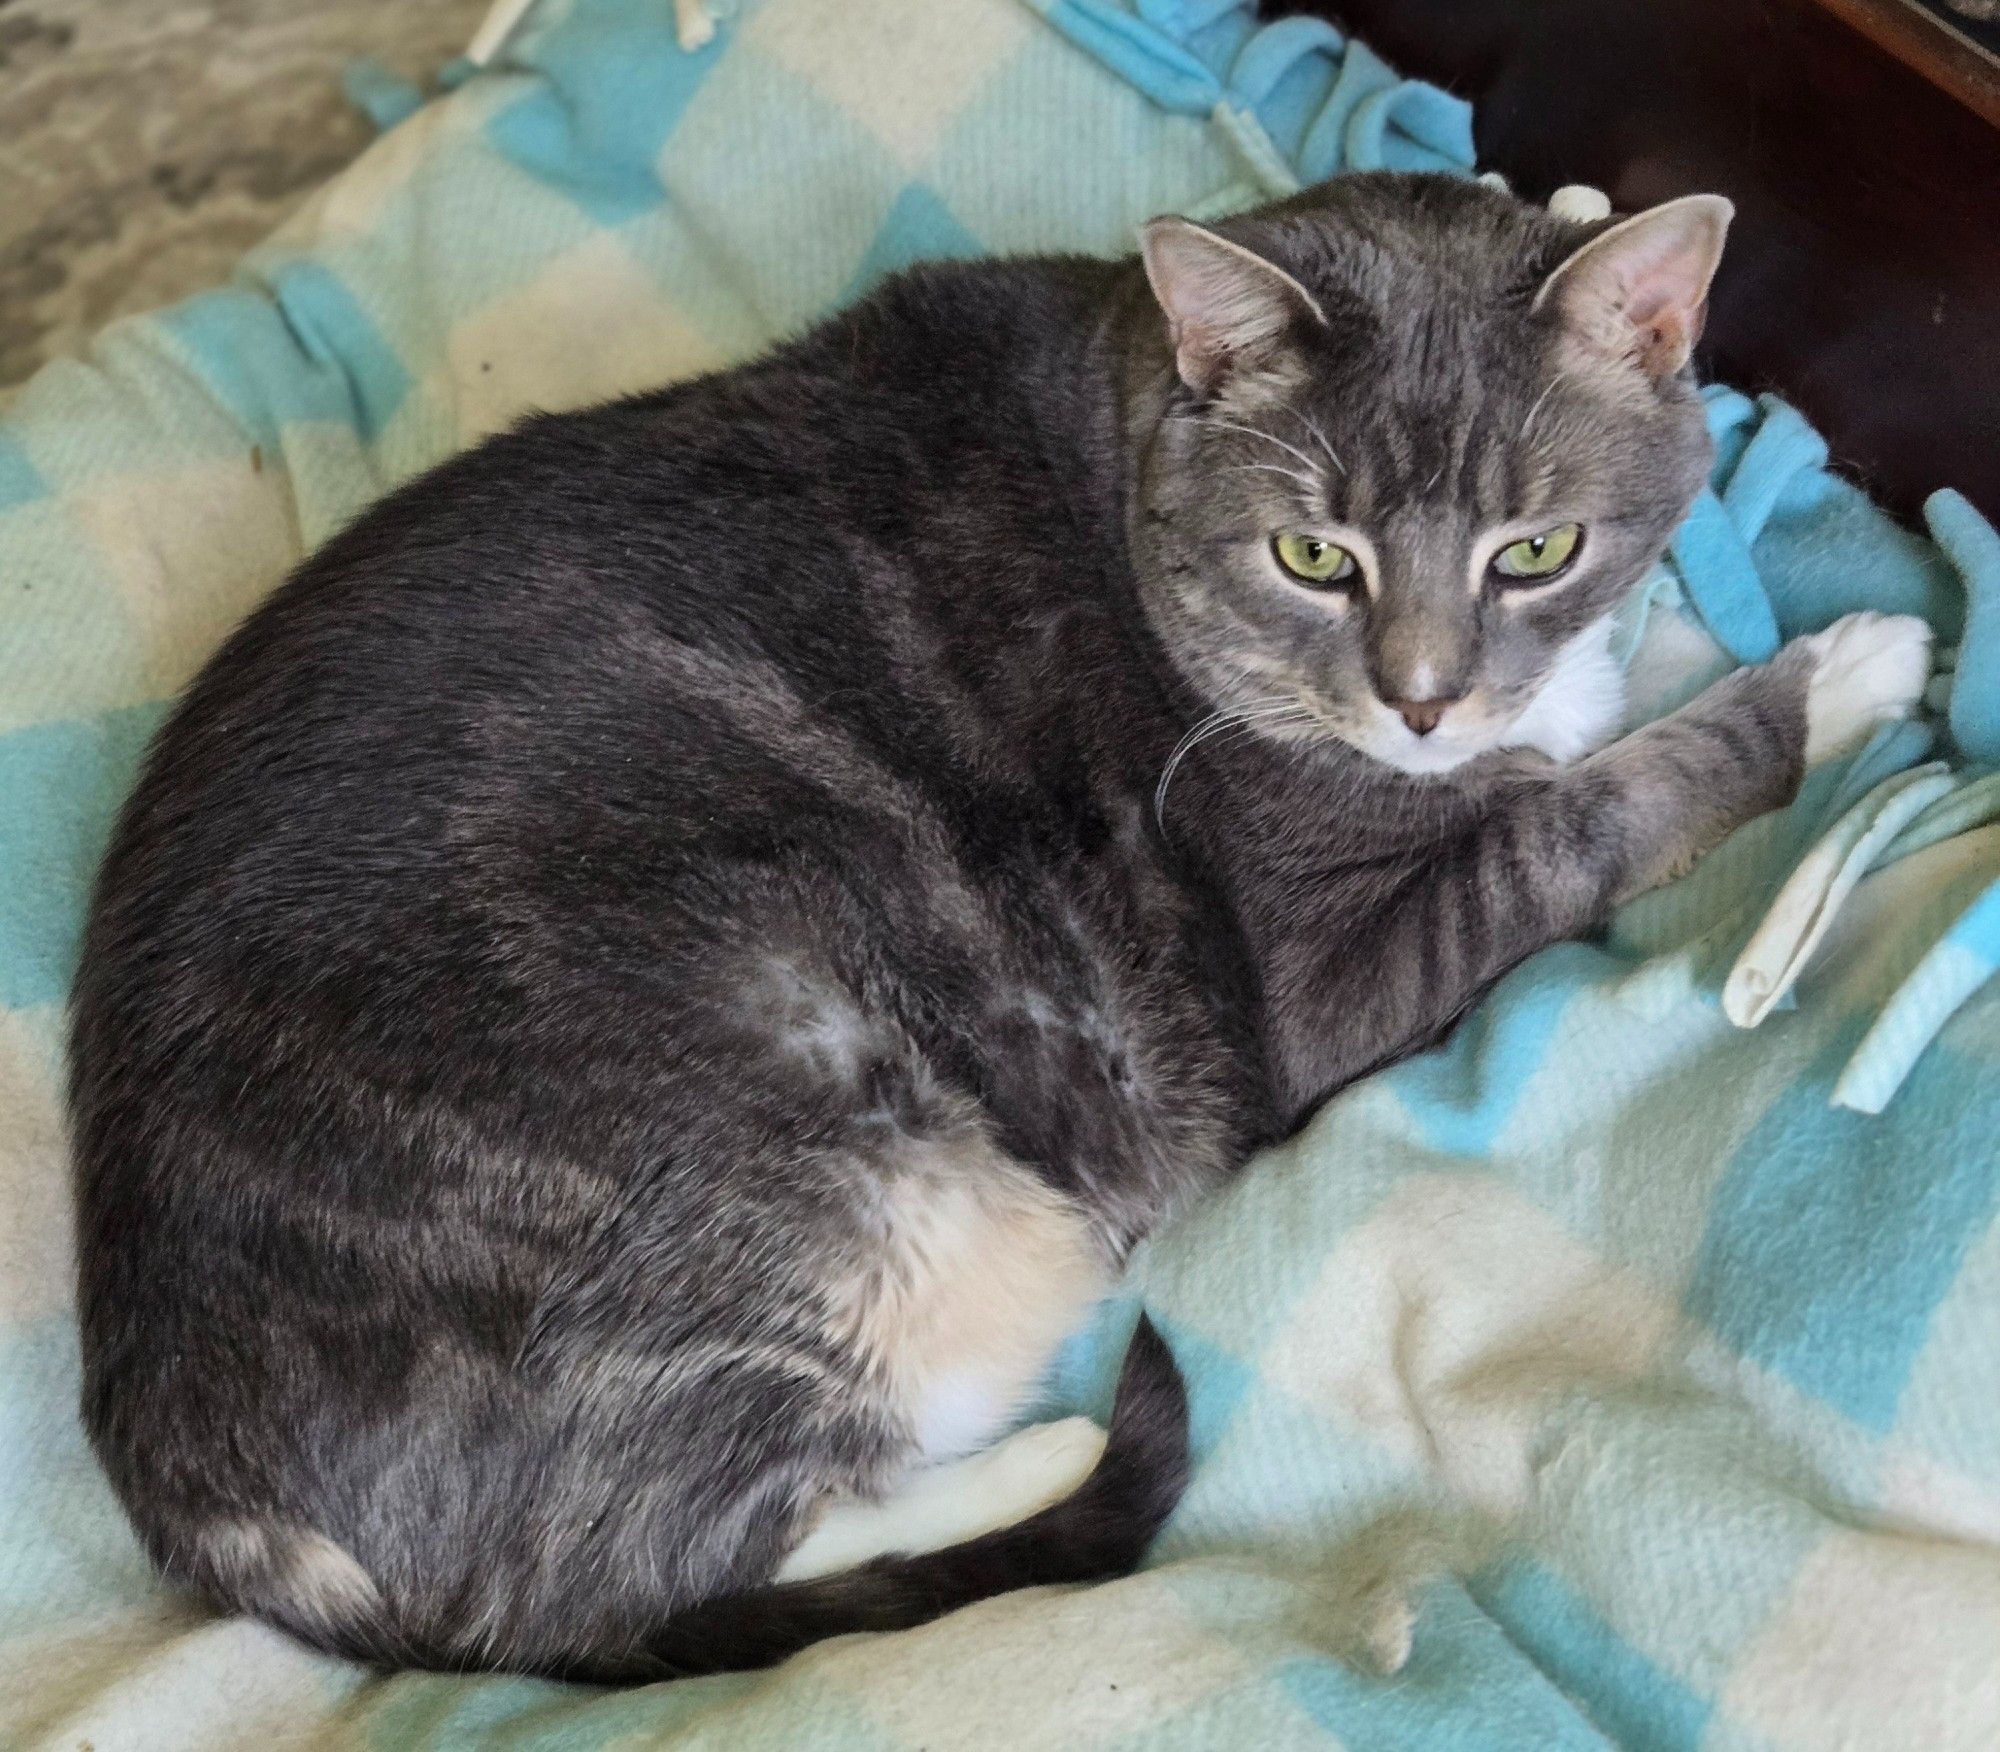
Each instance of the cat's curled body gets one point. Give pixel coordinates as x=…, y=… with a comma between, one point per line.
x=642, y=993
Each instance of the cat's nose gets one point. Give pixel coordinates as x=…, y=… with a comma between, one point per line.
x=1421, y=715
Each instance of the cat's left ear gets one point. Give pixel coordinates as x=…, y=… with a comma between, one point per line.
x=1640, y=290
x=1228, y=310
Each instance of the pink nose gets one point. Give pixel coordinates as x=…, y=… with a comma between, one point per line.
x=1421, y=715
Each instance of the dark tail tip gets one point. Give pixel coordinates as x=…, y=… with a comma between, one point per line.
x=1100, y=1531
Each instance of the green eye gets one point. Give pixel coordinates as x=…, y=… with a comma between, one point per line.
x=1313, y=561
x=1540, y=557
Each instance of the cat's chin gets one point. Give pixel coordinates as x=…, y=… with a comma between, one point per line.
x=1421, y=757
x=1386, y=739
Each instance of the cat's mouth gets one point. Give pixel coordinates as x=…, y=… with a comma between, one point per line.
x=1469, y=728
x=1301, y=717
x=1465, y=732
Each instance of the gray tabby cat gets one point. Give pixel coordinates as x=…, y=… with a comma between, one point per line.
x=641, y=995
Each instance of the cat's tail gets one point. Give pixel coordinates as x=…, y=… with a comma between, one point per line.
x=1101, y=1530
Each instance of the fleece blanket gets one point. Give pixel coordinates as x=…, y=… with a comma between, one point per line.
x=1628, y=1369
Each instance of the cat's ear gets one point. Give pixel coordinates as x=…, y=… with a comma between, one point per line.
x=1640, y=290
x=1228, y=310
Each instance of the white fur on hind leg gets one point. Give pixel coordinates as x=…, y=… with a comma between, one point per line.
x=1870, y=670
x=947, y=1505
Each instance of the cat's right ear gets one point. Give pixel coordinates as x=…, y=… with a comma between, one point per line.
x=1228, y=310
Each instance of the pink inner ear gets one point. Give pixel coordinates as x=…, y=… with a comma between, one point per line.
x=1661, y=348
x=1664, y=321
x=1223, y=304
x=1661, y=292
x=1642, y=288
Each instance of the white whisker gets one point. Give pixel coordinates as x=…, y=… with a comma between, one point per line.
x=1319, y=438
x=1228, y=718
x=1269, y=438
x=1537, y=408
x=1291, y=474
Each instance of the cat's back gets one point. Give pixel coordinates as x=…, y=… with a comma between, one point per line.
x=744, y=591
x=514, y=757
x=522, y=842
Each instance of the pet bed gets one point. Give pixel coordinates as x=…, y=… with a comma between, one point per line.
x=1644, y=1338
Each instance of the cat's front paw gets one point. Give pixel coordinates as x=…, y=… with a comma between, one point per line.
x=1868, y=669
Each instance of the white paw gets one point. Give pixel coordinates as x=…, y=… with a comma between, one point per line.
x=1039, y=1465
x=1387, y=1632
x=938, y=1506
x=1869, y=669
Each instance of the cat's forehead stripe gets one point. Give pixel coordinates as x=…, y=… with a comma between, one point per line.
x=1461, y=455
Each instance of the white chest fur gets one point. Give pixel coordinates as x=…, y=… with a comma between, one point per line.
x=1581, y=706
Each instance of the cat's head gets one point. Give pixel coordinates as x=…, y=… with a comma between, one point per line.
x=1421, y=438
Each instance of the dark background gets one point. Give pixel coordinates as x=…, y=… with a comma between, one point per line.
x=1863, y=279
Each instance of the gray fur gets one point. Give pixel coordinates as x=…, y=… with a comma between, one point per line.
x=560, y=935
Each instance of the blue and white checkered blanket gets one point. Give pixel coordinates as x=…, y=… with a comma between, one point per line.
x=1657, y=1355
